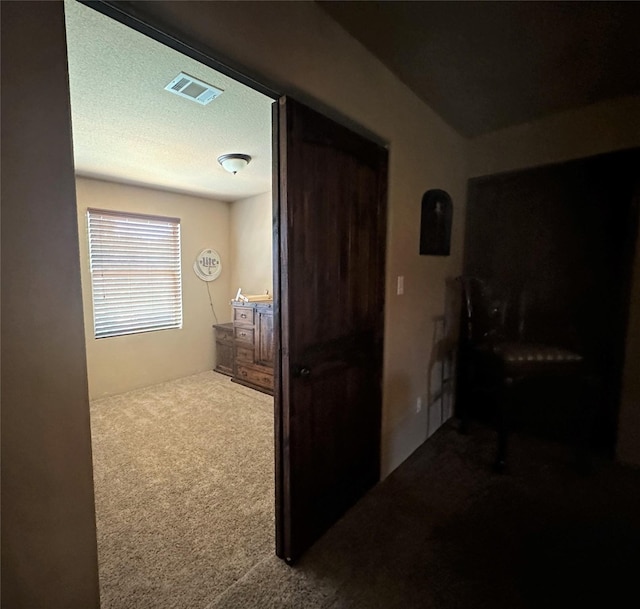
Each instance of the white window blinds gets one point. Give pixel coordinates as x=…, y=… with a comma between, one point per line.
x=135, y=272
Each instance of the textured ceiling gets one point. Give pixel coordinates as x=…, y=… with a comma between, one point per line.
x=487, y=65
x=126, y=127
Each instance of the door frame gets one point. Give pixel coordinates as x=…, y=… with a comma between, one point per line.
x=131, y=17
x=137, y=20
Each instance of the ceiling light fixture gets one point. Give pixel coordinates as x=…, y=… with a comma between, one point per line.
x=233, y=163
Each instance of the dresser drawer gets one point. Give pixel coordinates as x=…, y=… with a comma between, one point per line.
x=244, y=354
x=243, y=335
x=255, y=376
x=243, y=316
x=224, y=335
x=224, y=358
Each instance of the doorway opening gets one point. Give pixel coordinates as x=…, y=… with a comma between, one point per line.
x=329, y=250
x=183, y=456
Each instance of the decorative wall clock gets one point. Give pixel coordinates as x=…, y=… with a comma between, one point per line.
x=208, y=265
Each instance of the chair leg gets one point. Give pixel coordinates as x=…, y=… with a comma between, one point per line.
x=463, y=427
x=504, y=409
x=588, y=396
x=462, y=397
x=467, y=372
x=442, y=364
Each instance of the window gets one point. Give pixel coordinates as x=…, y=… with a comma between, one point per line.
x=135, y=273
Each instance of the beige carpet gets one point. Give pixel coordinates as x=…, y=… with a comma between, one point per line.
x=184, y=491
x=442, y=532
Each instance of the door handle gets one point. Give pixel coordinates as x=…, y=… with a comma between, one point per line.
x=301, y=371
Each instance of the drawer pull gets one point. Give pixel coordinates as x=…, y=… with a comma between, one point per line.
x=243, y=333
x=243, y=315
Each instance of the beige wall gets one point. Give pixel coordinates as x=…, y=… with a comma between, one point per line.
x=49, y=558
x=252, y=245
x=298, y=47
x=48, y=516
x=49, y=547
x=592, y=130
x=122, y=363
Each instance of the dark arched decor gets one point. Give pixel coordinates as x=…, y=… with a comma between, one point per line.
x=435, y=224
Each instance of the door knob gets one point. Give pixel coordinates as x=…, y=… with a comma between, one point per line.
x=302, y=371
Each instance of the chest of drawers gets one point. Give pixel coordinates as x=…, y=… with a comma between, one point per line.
x=253, y=345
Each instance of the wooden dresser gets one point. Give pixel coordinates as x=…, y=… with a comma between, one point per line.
x=253, y=345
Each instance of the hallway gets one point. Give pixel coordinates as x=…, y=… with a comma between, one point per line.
x=444, y=531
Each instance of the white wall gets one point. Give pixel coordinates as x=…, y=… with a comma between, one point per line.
x=252, y=244
x=122, y=363
x=595, y=129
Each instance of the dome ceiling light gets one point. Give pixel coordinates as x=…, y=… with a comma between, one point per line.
x=234, y=163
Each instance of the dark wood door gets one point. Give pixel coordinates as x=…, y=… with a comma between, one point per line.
x=331, y=213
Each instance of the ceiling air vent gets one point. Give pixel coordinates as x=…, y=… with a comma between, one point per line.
x=193, y=89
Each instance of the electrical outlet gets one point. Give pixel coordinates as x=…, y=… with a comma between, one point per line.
x=419, y=405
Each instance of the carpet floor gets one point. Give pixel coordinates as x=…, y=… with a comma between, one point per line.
x=442, y=531
x=183, y=476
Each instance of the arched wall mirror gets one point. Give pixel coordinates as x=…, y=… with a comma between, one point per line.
x=435, y=223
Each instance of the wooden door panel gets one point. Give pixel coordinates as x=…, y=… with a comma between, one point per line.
x=342, y=241
x=332, y=463
x=332, y=216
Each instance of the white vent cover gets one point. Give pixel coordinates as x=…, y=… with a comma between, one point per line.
x=192, y=88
